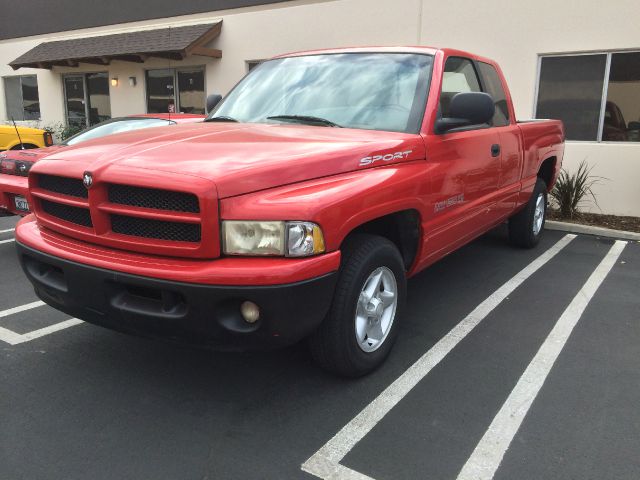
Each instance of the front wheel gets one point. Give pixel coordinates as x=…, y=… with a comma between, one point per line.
x=362, y=323
x=526, y=226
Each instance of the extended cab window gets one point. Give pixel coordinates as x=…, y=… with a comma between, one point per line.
x=493, y=86
x=459, y=76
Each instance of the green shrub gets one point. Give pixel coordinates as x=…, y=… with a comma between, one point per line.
x=570, y=190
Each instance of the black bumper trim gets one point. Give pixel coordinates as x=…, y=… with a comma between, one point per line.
x=207, y=315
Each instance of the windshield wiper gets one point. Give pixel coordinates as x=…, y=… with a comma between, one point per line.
x=305, y=119
x=221, y=118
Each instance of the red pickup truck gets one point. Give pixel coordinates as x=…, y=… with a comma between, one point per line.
x=300, y=207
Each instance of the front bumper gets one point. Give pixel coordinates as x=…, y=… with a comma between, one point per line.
x=202, y=314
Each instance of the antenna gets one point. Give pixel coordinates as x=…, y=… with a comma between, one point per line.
x=17, y=133
x=173, y=91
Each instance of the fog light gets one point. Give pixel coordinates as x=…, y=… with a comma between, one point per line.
x=250, y=312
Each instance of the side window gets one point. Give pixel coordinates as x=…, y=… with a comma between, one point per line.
x=459, y=76
x=493, y=87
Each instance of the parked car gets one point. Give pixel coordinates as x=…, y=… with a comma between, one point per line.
x=23, y=138
x=15, y=165
x=269, y=223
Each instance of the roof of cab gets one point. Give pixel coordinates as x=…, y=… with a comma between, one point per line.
x=390, y=49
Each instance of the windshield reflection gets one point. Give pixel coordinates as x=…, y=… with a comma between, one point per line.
x=376, y=91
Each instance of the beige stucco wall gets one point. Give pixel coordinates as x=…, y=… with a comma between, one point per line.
x=512, y=32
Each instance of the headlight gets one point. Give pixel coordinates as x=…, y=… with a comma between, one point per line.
x=291, y=239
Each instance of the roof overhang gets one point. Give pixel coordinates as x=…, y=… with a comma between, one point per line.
x=173, y=43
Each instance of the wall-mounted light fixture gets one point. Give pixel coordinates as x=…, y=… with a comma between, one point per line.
x=114, y=81
x=132, y=81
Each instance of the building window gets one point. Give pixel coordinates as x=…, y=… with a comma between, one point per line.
x=21, y=94
x=622, y=109
x=164, y=97
x=87, y=99
x=597, y=96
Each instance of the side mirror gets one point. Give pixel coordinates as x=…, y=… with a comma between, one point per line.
x=467, y=108
x=212, y=101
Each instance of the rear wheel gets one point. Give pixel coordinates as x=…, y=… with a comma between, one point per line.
x=361, y=326
x=526, y=226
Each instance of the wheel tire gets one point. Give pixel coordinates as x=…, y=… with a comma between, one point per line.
x=525, y=228
x=334, y=345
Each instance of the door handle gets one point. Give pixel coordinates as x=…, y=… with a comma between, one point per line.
x=495, y=150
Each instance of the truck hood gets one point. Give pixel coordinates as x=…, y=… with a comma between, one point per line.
x=245, y=157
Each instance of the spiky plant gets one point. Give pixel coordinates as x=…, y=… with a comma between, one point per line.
x=570, y=190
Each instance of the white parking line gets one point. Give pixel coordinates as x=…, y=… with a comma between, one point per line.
x=7, y=241
x=486, y=458
x=7, y=230
x=21, y=308
x=13, y=338
x=26, y=337
x=325, y=463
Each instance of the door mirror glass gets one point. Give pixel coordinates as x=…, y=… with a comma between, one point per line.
x=465, y=109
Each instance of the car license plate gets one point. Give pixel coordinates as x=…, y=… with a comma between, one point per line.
x=21, y=203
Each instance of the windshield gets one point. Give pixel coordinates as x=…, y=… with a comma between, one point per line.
x=374, y=91
x=116, y=125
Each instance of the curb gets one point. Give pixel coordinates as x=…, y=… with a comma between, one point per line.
x=591, y=230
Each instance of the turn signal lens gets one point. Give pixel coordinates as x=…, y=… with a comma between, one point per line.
x=304, y=239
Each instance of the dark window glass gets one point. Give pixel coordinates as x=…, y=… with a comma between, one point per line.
x=253, y=64
x=74, y=97
x=459, y=76
x=98, y=97
x=493, y=86
x=160, y=91
x=30, y=100
x=570, y=89
x=21, y=94
x=622, y=110
x=191, y=91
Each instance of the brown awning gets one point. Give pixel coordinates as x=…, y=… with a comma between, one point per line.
x=174, y=43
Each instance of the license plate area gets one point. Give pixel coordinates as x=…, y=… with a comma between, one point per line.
x=21, y=203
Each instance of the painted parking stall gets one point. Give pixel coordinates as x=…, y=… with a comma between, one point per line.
x=474, y=327
x=18, y=289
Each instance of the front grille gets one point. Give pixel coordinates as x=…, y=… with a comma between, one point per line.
x=153, y=198
x=142, y=227
x=63, y=185
x=77, y=215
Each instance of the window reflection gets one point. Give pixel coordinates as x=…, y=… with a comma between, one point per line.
x=622, y=110
x=369, y=91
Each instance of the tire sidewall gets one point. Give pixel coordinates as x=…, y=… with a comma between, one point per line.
x=540, y=188
x=385, y=255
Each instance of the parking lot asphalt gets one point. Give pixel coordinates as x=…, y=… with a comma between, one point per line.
x=496, y=372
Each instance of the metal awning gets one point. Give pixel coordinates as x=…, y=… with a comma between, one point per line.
x=174, y=43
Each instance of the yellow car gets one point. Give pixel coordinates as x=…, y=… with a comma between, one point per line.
x=31, y=137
